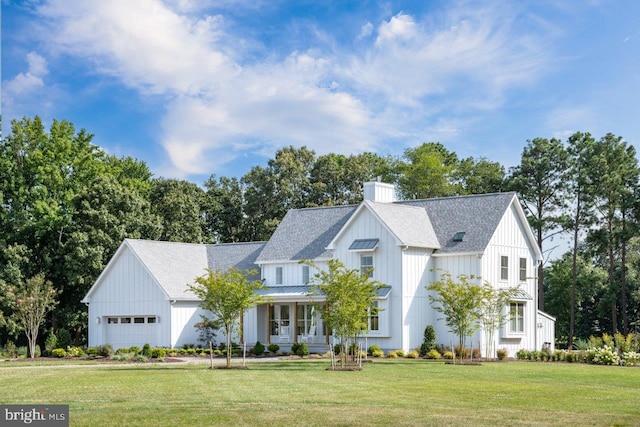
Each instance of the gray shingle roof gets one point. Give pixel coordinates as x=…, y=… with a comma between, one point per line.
x=478, y=216
x=305, y=233
x=410, y=224
x=174, y=265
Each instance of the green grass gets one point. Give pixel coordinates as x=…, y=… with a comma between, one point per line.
x=304, y=393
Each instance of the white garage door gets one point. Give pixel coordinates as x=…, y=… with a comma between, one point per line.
x=127, y=331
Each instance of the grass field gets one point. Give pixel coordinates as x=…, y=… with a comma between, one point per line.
x=304, y=393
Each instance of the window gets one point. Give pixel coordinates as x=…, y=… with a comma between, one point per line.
x=523, y=269
x=366, y=265
x=151, y=319
x=504, y=268
x=305, y=274
x=374, y=319
x=138, y=320
x=516, y=318
x=278, y=275
x=112, y=320
x=306, y=318
x=278, y=318
x=125, y=320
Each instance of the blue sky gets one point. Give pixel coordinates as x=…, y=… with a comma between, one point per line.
x=200, y=87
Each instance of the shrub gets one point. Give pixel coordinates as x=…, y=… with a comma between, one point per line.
x=91, y=351
x=187, y=346
x=58, y=352
x=217, y=352
x=412, y=354
x=630, y=358
x=502, y=353
x=522, y=354
x=558, y=355
x=392, y=355
x=140, y=358
x=22, y=351
x=74, y=352
x=135, y=350
x=122, y=350
x=50, y=343
x=273, y=348
x=146, y=350
x=105, y=350
x=11, y=350
x=258, y=349
x=302, y=350
x=462, y=353
x=448, y=355
x=570, y=357
x=428, y=340
x=64, y=338
x=604, y=356
x=373, y=348
x=400, y=353
x=433, y=354
x=157, y=353
x=377, y=353
x=294, y=347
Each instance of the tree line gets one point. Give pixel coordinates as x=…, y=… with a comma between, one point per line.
x=66, y=205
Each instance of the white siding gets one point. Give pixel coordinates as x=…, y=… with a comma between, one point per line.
x=127, y=289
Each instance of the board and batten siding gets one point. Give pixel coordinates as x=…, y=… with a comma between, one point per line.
x=387, y=269
x=509, y=240
x=127, y=289
x=416, y=311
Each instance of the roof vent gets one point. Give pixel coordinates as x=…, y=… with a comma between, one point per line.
x=459, y=236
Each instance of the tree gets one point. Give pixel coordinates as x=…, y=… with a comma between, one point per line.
x=491, y=314
x=226, y=294
x=427, y=172
x=33, y=300
x=541, y=183
x=349, y=301
x=460, y=304
x=179, y=204
x=478, y=176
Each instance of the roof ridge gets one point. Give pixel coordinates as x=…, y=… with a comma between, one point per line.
x=165, y=242
x=462, y=196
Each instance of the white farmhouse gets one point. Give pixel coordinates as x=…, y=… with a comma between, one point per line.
x=142, y=295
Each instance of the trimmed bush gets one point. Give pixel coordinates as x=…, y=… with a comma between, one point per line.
x=135, y=350
x=412, y=354
x=603, y=356
x=11, y=350
x=377, y=353
x=302, y=350
x=448, y=355
x=273, y=348
x=105, y=350
x=146, y=350
x=50, y=343
x=522, y=354
x=428, y=341
x=258, y=349
x=392, y=355
x=58, y=352
x=502, y=353
x=400, y=353
x=74, y=352
x=433, y=354
x=140, y=358
x=373, y=348
x=630, y=358
x=64, y=338
x=158, y=353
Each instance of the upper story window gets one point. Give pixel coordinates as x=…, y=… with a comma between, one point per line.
x=278, y=275
x=305, y=274
x=366, y=265
x=504, y=268
x=523, y=269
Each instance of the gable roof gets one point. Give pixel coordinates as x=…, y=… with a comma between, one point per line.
x=305, y=233
x=174, y=265
x=478, y=216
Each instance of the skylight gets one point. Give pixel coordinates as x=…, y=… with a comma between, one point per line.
x=459, y=236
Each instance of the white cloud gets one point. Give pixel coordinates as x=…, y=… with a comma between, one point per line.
x=220, y=104
x=26, y=83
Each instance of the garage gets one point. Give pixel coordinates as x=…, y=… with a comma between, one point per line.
x=127, y=331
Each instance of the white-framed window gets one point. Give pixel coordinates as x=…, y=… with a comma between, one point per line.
x=366, y=265
x=305, y=318
x=112, y=320
x=516, y=317
x=374, y=318
x=523, y=269
x=278, y=275
x=504, y=267
x=279, y=318
x=305, y=274
x=125, y=320
x=138, y=320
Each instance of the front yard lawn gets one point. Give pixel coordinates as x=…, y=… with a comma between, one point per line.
x=303, y=392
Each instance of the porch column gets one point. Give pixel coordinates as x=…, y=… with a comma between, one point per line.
x=268, y=324
x=295, y=320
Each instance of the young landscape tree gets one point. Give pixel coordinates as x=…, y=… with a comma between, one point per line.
x=226, y=294
x=459, y=302
x=349, y=301
x=33, y=299
x=492, y=314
